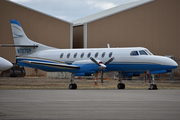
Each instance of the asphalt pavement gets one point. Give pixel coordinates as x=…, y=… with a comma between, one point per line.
x=89, y=104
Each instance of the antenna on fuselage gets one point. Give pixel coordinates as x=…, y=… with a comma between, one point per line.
x=108, y=46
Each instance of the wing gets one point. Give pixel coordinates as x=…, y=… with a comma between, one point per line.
x=9, y=45
x=53, y=65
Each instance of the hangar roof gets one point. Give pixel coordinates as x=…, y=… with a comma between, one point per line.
x=110, y=12
x=39, y=12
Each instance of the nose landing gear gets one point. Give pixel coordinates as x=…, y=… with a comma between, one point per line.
x=152, y=86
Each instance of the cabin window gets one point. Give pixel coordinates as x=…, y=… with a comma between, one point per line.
x=110, y=54
x=134, y=53
x=89, y=54
x=96, y=55
x=142, y=52
x=103, y=54
x=82, y=55
x=68, y=55
x=61, y=55
x=75, y=55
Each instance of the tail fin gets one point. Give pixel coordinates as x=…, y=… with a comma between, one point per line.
x=24, y=46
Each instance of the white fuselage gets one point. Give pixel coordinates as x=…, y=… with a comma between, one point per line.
x=123, y=60
x=121, y=55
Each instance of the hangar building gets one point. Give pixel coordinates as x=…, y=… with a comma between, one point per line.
x=38, y=26
x=154, y=24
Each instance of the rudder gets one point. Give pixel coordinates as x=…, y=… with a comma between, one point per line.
x=25, y=46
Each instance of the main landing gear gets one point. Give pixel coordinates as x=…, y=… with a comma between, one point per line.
x=120, y=85
x=73, y=85
x=152, y=86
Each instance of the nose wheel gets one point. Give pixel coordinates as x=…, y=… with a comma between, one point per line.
x=152, y=86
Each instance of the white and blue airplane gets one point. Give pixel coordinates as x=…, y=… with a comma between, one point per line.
x=5, y=64
x=129, y=61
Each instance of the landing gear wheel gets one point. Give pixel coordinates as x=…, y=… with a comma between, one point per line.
x=121, y=86
x=75, y=86
x=72, y=86
x=153, y=87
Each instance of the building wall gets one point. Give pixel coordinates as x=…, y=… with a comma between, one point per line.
x=78, y=36
x=37, y=26
x=155, y=25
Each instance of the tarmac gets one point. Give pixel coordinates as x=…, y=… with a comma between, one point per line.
x=94, y=104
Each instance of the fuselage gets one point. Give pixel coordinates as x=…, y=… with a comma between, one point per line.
x=132, y=59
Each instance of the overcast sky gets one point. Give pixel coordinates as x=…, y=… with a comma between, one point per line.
x=70, y=10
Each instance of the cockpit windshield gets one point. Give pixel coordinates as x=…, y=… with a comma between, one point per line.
x=134, y=53
x=147, y=51
x=142, y=52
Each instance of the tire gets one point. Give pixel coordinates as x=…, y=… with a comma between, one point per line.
x=151, y=87
x=121, y=86
x=75, y=86
x=154, y=86
x=72, y=86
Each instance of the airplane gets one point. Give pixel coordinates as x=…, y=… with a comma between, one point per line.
x=130, y=61
x=5, y=64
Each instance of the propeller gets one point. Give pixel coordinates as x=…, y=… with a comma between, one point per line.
x=102, y=66
x=110, y=60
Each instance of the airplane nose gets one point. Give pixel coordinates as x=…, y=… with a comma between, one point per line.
x=5, y=64
x=175, y=64
x=170, y=62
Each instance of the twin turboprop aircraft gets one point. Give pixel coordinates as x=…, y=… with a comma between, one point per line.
x=130, y=61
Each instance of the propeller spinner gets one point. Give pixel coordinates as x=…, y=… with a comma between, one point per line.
x=102, y=66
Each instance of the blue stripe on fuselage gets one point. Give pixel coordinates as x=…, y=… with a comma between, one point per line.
x=137, y=67
x=124, y=67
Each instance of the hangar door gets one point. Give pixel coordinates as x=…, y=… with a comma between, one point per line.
x=78, y=37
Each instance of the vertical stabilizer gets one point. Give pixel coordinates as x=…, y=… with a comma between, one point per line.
x=23, y=41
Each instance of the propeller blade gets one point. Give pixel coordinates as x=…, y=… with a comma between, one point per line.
x=110, y=60
x=94, y=61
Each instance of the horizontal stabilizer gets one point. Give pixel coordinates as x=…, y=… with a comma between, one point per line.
x=9, y=45
x=53, y=65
